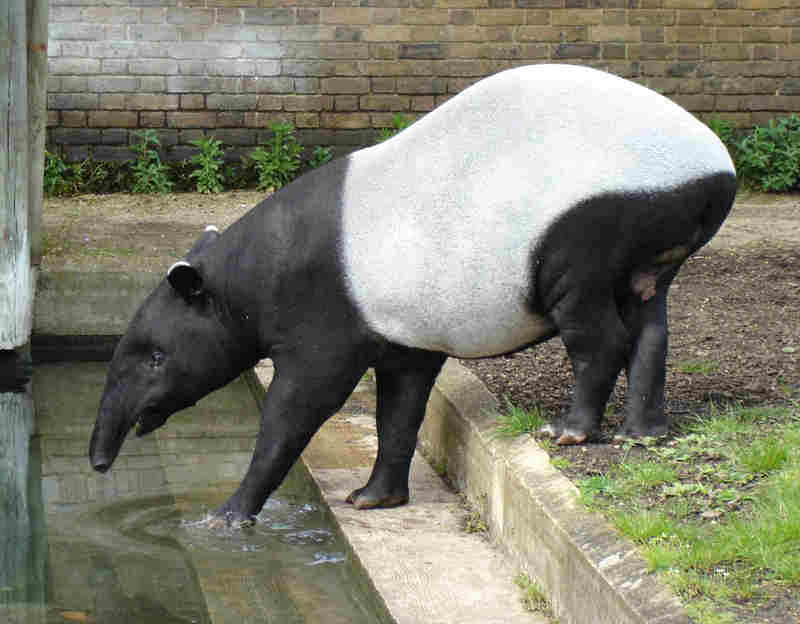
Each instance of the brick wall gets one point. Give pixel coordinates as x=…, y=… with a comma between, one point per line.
x=233, y=67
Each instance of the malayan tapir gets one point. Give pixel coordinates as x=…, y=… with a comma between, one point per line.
x=543, y=201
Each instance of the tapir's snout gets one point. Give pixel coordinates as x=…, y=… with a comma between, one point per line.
x=105, y=443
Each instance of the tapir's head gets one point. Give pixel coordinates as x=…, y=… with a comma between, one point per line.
x=177, y=349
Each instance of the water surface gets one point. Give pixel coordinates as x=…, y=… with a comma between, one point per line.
x=133, y=545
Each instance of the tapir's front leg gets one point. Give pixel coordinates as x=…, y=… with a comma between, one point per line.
x=301, y=397
x=404, y=379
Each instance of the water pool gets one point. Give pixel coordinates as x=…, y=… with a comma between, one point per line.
x=131, y=545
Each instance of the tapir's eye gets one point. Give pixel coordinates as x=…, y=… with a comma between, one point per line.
x=157, y=359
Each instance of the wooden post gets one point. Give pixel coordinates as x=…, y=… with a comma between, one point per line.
x=37, y=117
x=16, y=281
x=23, y=75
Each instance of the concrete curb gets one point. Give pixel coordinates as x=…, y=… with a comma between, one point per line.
x=590, y=573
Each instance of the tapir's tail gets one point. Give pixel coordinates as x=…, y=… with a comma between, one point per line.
x=719, y=193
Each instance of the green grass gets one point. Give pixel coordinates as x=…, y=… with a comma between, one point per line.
x=516, y=421
x=716, y=511
x=698, y=367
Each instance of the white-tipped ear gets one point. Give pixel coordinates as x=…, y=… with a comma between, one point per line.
x=212, y=228
x=185, y=279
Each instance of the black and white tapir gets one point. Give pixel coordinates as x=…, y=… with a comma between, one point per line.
x=543, y=201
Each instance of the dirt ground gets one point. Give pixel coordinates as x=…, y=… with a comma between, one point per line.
x=734, y=311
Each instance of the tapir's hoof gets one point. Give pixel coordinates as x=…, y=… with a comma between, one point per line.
x=363, y=499
x=563, y=436
x=640, y=434
x=230, y=520
x=570, y=436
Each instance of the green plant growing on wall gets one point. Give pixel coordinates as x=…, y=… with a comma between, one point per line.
x=209, y=165
x=399, y=123
x=320, y=156
x=278, y=160
x=149, y=173
x=769, y=157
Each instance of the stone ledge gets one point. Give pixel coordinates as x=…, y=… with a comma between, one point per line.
x=589, y=572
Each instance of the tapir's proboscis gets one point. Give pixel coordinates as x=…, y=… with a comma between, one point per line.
x=543, y=201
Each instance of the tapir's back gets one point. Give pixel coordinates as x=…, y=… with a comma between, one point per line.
x=440, y=221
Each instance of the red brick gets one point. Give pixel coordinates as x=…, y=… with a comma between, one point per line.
x=345, y=15
x=384, y=102
x=192, y=101
x=113, y=119
x=552, y=33
x=495, y=17
x=307, y=103
x=307, y=120
x=689, y=34
x=765, y=52
x=253, y=119
x=577, y=17
x=345, y=120
x=621, y=33
x=688, y=4
x=765, y=35
x=269, y=103
x=650, y=17
x=152, y=119
x=73, y=119
x=726, y=51
x=422, y=103
x=344, y=103
x=358, y=84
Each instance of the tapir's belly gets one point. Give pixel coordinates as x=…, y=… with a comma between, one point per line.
x=439, y=224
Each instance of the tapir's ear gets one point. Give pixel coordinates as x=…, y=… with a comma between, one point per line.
x=209, y=237
x=185, y=279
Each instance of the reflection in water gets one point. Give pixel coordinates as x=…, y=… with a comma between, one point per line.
x=134, y=545
x=22, y=546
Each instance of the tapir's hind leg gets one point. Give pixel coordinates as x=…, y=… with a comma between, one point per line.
x=646, y=369
x=598, y=345
x=404, y=382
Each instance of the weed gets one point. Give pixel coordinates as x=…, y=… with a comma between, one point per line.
x=763, y=455
x=769, y=157
x=687, y=529
x=54, y=170
x=399, y=123
x=701, y=367
x=595, y=487
x=643, y=525
x=516, y=421
x=277, y=161
x=209, y=165
x=320, y=156
x=646, y=474
x=149, y=173
x=533, y=597
x=473, y=519
x=724, y=130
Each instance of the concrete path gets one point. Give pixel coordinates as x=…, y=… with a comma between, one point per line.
x=422, y=562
